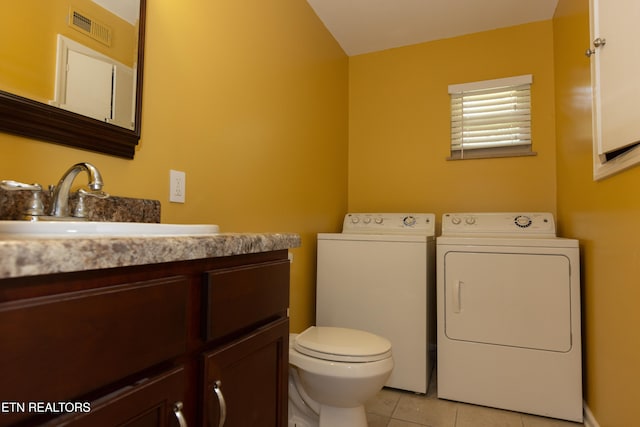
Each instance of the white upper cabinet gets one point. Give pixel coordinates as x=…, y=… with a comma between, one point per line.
x=615, y=80
x=88, y=86
x=94, y=85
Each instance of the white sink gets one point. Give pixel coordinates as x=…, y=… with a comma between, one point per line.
x=54, y=229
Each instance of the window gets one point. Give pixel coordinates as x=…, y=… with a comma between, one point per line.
x=491, y=118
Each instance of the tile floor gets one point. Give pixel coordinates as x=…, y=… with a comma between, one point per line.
x=394, y=408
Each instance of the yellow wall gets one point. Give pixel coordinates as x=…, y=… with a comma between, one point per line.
x=249, y=98
x=399, y=126
x=604, y=216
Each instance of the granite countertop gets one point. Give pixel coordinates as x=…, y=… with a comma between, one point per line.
x=30, y=257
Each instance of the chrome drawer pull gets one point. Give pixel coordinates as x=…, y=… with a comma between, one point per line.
x=177, y=411
x=221, y=402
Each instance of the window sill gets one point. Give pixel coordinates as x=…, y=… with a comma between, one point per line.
x=492, y=155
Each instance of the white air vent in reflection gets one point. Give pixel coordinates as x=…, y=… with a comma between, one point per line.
x=90, y=27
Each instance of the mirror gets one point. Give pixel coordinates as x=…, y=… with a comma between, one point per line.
x=30, y=85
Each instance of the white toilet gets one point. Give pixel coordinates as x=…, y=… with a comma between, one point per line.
x=332, y=373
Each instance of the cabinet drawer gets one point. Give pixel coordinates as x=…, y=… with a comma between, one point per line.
x=156, y=401
x=242, y=297
x=59, y=347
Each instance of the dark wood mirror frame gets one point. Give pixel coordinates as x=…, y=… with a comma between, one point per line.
x=32, y=119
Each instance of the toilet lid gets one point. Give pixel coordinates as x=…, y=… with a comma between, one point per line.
x=342, y=344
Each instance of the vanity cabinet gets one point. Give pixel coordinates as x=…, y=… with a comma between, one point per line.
x=145, y=345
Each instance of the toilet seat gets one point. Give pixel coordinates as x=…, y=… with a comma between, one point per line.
x=342, y=344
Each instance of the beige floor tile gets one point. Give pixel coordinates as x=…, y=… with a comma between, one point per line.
x=427, y=411
x=533, y=421
x=397, y=408
x=384, y=402
x=399, y=423
x=375, y=420
x=479, y=416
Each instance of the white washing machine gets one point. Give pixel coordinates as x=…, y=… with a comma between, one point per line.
x=508, y=297
x=378, y=275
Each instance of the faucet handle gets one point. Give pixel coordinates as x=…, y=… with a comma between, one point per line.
x=11, y=185
x=35, y=207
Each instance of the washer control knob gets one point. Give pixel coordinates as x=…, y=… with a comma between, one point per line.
x=522, y=221
x=379, y=220
x=456, y=220
x=355, y=220
x=470, y=220
x=367, y=220
x=409, y=221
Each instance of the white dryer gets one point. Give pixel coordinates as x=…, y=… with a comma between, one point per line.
x=508, y=297
x=378, y=275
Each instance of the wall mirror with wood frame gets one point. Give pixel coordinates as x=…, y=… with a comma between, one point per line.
x=73, y=75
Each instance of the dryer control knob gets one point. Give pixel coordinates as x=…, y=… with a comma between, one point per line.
x=367, y=220
x=355, y=220
x=379, y=220
x=409, y=221
x=470, y=220
x=455, y=220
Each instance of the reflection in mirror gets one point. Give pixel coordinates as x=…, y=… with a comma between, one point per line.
x=73, y=74
x=93, y=84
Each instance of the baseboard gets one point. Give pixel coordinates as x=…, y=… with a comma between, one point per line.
x=589, y=419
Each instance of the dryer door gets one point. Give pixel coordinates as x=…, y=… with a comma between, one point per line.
x=508, y=299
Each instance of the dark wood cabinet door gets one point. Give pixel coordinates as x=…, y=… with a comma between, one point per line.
x=246, y=381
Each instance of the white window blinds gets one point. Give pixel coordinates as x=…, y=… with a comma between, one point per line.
x=491, y=118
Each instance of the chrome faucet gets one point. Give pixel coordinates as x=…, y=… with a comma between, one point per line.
x=60, y=202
